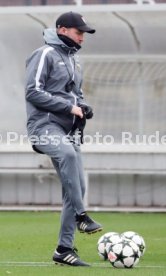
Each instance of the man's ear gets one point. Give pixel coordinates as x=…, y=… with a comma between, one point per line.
x=62, y=31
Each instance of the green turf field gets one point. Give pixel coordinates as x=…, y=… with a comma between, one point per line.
x=28, y=239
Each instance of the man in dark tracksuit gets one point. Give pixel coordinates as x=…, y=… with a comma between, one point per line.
x=55, y=110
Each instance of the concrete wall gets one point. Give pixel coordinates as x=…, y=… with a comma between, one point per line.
x=108, y=190
x=115, y=177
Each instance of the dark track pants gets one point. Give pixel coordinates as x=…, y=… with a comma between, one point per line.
x=66, y=158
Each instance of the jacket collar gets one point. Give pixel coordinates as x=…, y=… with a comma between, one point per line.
x=51, y=38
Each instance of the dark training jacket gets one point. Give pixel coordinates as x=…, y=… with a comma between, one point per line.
x=48, y=70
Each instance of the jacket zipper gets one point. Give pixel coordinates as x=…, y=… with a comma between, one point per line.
x=75, y=99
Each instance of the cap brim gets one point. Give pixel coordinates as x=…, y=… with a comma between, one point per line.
x=86, y=29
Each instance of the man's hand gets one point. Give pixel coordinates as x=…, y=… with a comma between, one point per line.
x=77, y=111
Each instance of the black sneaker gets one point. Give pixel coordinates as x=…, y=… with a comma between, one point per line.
x=86, y=225
x=68, y=258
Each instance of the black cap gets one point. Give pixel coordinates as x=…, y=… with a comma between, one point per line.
x=73, y=20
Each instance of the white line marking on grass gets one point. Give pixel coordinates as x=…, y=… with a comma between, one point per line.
x=159, y=239
x=40, y=264
x=26, y=263
x=13, y=262
x=151, y=266
x=139, y=266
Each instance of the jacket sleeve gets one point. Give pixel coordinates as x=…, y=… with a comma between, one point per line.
x=37, y=71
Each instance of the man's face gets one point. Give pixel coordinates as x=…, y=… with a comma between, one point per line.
x=74, y=34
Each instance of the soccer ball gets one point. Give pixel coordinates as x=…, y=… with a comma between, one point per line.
x=137, y=239
x=124, y=254
x=104, y=242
